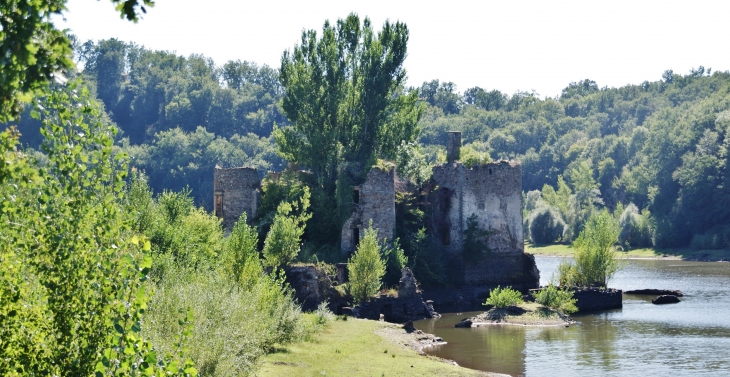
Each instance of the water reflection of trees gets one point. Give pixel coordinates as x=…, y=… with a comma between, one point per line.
x=503, y=349
x=598, y=346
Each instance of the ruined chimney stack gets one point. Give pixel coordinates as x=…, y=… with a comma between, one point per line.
x=452, y=146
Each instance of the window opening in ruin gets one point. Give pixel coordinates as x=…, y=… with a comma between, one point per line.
x=356, y=195
x=219, y=204
x=490, y=171
x=355, y=237
x=447, y=237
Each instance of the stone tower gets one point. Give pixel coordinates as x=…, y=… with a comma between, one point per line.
x=236, y=191
x=374, y=201
x=491, y=194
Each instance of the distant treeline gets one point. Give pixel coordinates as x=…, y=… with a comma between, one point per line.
x=661, y=146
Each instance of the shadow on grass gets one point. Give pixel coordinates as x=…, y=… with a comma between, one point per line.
x=276, y=350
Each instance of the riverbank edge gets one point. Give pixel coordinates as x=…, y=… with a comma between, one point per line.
x=562, y=251
x=358, y=347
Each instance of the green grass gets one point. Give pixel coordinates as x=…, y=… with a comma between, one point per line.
x=354, y=348
x=567, y=250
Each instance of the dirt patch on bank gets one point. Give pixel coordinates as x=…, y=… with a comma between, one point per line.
x=418, y=341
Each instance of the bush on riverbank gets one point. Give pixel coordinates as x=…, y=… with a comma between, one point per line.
x=366, y=267
x=502, y=298
x=595, y=260
x=238, y=312
x=557, y=299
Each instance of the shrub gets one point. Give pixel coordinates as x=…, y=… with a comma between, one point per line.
x=241, y=255
x=234, y=325
x=282, y=243
x=554, y=298
x=595, y=258
x=502, y=298
x=470, y=156
x=715, y=238
x=73, y=282
x=546, y=225
x=366, y=267
x=395, y=259
x=634, y=229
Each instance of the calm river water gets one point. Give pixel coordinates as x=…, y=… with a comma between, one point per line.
x=691, y=338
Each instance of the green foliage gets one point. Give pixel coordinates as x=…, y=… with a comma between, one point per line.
x=33, y=50
x=74, y=288
x=471, y=157
x=545, y=225
x=560, y=198
x=555, y=298
x=395, y=259
x=366, y=267
x=411, y=163
x=240, y=249
x=234, y=325
x=345, y=97
x=425, y=259
x=595, y=258
x=634, y=227
x=282, y=243
x=502, y=298
x=475, y=240
x=175, y=205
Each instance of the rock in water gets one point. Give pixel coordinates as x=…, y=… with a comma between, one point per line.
x=464, y=323
x=665, y=299
x=660, y=292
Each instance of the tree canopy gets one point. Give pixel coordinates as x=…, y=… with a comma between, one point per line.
x=33, y=50
x=345, y=96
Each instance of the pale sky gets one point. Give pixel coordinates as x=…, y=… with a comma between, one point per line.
x=507, y=45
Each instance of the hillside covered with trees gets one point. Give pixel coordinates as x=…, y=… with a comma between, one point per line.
x=657, y=150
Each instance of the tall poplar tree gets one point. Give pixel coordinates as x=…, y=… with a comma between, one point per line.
x=345, y=97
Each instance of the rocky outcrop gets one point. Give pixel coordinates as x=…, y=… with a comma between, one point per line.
x=312, y=286
x=407, y=286
x=654, y=292
x=395, y=309
x=593, y=299
x=665, y=299
x=407, y=306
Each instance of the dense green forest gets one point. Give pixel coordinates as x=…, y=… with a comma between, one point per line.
x=657, y=149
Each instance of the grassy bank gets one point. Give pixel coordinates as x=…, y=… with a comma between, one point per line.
x=358, y=347
x=688, y=254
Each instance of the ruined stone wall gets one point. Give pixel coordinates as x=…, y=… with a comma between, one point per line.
x=236, y=191
x=492, y=192
x=377, y=203
x=518, y=271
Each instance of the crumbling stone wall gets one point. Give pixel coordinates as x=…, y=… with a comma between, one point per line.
x=235, y=191
x=492, y=192
x=376, y=202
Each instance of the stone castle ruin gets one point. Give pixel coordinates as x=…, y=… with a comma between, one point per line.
x=491, y=195
x=235, y=191
x=488, y=195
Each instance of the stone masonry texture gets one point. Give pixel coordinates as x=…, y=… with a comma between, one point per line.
x=493, y=194
x=238, y=189
x=376, y=204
